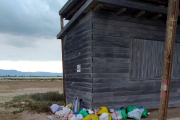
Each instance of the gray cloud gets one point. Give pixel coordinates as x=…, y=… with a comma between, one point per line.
x=30, y=17
x=28, y=30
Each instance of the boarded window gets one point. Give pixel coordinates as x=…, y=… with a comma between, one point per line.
x=147, y=60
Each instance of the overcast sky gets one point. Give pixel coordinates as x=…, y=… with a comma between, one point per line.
x=28, y=30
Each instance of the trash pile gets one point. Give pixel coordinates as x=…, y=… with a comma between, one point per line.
x=73, y=112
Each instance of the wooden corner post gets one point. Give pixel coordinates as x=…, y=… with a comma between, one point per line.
x=172, y=17
x=63, y=66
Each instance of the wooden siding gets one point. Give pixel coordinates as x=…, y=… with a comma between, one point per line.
x=77, y=50
x=127, y=61
x=121, y=61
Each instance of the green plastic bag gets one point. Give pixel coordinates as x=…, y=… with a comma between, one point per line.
x=144, y=114
x=123, y=113
x=83, y=113
x=131, y=108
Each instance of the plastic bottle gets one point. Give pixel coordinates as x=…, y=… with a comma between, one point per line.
x=95, y=111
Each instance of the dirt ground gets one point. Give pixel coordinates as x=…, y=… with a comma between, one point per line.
x=12, y=88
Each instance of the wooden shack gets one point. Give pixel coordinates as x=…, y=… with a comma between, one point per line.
x=113, y=53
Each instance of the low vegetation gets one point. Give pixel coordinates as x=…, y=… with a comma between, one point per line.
x=37, y=102
x=35, y=79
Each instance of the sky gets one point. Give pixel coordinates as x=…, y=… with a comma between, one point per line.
x=28, y=30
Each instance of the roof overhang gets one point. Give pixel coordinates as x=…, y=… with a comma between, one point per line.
x=90, y=4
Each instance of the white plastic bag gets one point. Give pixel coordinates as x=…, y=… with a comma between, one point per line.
x=55, y=108
x=113, y=116
x=77, y=117
x=104, y=116
x=136, y=113
x=119, y=115
x=63, y=112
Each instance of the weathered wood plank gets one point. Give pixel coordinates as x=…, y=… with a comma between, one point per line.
x=85, y=89
x=110, y=75
x=110, y=70
x=110, y=60
x=111, y=49
x=77, y=37
x=88, y=80
x=126, y=24
x=71, y=63
x=110, y=44
x=128, y=18
x=110, y=80
x=79, y=75
x=110, y=55
x=80, y=56
x=77, y=45
x=78, y=84
x=74, y=66
x=112, y=36
x=83, y=70
x=111, y=65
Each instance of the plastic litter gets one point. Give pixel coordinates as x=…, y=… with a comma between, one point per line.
x=90, y=111
x=91, y=117
x=95, y=111
x=136, y=113
x=77, y=105
x=83, y=113
x=104, y=110
x=55, y=108
x=104, y=116
x=24, y=103
x=131, y=108
x=118, y=114
x=77, y=117
x=113, y=116
x=123, y=113
x=70, y=106
x=63, y=112
x=111, y=110
x=50, y=117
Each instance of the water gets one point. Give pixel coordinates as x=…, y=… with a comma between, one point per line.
x=30, y=77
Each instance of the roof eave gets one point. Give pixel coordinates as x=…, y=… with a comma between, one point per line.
x=122, y=3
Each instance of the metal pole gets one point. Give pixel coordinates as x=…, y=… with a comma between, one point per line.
x=172, y=17
x=63, y=67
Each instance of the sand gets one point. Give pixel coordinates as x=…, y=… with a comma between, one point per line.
x=12, y=88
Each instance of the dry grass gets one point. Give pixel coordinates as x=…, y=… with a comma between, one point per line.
x=38, y=102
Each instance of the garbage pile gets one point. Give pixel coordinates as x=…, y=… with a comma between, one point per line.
x=73, y=112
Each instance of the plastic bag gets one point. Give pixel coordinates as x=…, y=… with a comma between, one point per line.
x=83, y=113
x=91, y=117
x=144, y=114
x=104, y=110
x=131, y=108
x=123, y=113
x=113, y=116
x=63, y=112
x=55, y=108
x=118, y=114
x=77, y=117
x=136, y=113
x=104, y=116
x=70, y=106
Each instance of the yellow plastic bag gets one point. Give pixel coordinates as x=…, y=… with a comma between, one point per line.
x=70, y=106
x=104, y=110
x=91, y=117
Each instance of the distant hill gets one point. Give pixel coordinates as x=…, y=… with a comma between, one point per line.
x=18, y=73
